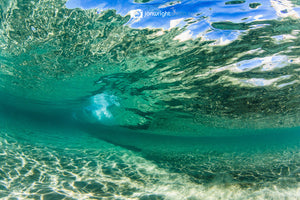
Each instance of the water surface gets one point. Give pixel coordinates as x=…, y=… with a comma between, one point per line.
x=149, y=99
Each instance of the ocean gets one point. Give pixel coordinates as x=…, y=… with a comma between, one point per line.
x=149, y=99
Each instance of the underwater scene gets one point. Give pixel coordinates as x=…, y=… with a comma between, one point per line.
x=149, y=99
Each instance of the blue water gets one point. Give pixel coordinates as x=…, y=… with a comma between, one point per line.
x=149, y=99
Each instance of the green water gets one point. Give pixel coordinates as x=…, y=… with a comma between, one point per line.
x=55, y=161
x=92, y=108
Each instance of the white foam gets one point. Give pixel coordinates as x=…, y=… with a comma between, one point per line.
x=100, y=104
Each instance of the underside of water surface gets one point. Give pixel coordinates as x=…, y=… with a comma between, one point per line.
x=149, y=99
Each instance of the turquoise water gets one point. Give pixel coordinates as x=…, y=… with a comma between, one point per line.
x=149, y=99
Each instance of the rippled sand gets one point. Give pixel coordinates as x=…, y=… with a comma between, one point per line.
x=53, y=164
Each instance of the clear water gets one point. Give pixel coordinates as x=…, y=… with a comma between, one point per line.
x=149, y=99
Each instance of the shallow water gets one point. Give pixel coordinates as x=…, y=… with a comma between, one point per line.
x=57, y=161
x=149, y=100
